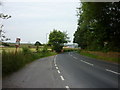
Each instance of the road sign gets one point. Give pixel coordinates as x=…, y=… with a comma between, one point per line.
x=17, y=43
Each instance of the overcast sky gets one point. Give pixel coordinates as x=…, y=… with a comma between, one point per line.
x=31, y=21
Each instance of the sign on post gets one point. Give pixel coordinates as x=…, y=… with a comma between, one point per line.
x=17, y=43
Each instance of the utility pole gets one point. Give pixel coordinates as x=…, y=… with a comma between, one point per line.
x=46, y=37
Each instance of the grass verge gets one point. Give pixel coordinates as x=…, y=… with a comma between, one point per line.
x=12, y=62
x=101, y=57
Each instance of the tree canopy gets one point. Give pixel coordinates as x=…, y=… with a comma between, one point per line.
x=57, y=40
x=98, y=26
x=37, y=44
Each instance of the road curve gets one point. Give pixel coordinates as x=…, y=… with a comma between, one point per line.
x=84, y=72
x=38, y=74
x=66, y=70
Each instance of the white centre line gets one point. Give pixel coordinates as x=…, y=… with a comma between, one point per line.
x=56, y=67
x=55, y=59
x=87, y=62
x=69, y=53
x=82, y=60
x=62, y=78
x=67, y=87
x=58, y=71
x=74, y=57
x=112, y=71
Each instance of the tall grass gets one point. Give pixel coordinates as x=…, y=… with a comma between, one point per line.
x=105, y=58
x=12, y=61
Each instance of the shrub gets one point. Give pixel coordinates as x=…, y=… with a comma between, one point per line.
x=45, y=49
x=57, y=48
x=26, y=50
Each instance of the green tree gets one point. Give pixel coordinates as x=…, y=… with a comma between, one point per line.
x=57, y=40
x=37, y=44
x=98, y=26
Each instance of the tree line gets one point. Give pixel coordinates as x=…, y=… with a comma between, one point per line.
x=98, y=26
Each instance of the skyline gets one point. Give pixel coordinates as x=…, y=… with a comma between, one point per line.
x=31, y=21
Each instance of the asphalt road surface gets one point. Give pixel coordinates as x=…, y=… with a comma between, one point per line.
x=66, y=70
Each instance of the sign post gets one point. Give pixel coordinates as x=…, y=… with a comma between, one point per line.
x=17, y=44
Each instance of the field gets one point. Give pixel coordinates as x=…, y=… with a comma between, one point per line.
x=12, y=49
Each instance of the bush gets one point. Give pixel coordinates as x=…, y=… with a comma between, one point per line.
x=26, y=50
x=57, y=48
x=45, y=49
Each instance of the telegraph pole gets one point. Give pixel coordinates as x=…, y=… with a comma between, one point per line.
x=46, y=37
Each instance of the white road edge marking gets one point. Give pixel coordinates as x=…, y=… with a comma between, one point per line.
x=58, y=71
x=112, y=71
x=56, y=67
x=67, y=87
x=87, y=62
x=62, y=78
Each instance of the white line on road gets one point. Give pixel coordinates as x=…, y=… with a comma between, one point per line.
x=112, y=71
x=67, y=87
x=69, y=53
x=62, y=78
x=56, y=67
x=87, y=62
x=55, y=59
x=58, y=71
x=74, y=57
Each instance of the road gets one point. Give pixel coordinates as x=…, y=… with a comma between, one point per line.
x=66, y=70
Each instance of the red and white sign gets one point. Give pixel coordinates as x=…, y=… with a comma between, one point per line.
x=17, y=42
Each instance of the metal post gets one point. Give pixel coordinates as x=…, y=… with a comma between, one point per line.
x=46, y=37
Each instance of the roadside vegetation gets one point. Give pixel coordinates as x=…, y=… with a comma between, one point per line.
x=12, y=61
x=98, y=31
x=113, y=57
x=57, y=40
x=70, y=49
x=98, y=26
